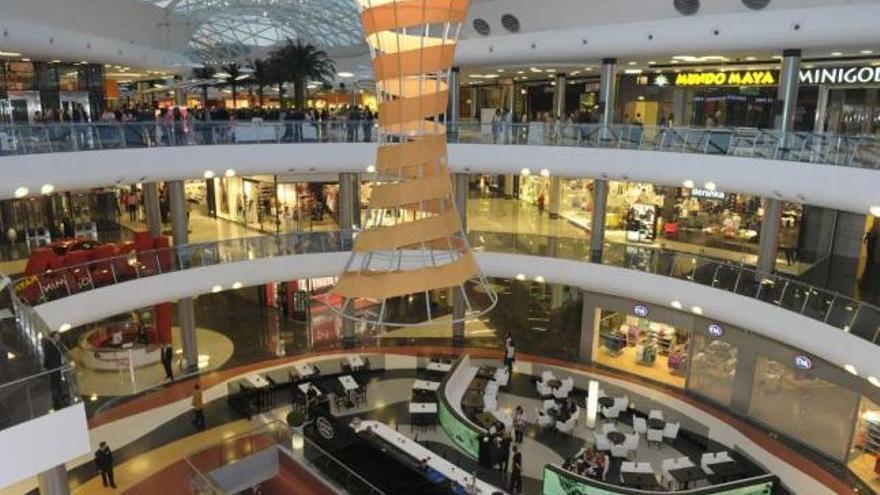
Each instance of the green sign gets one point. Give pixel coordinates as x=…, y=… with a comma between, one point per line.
x=461, y=434
x=559, y=484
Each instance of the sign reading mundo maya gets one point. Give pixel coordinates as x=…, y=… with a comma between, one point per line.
x=726, y=78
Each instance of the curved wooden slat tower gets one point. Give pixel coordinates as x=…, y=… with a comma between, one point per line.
x=413, y=250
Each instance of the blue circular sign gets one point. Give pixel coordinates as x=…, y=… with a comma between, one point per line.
x=640, y=310
x=715, y=330
x=803, y=363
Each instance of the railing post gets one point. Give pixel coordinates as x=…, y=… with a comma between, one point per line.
x=828, y=310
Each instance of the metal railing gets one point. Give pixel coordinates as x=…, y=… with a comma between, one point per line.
x=840, y=311
x=270, y=436
x=852, y=151
x=37, y=395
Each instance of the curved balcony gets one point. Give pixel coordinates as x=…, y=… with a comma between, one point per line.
x=820, y=148
x=830, y=308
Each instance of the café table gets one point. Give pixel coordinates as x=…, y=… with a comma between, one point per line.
x=487, y=372
x=426, y=385
x=554, y=383
x=606, y=401
x=348, y=383
x=641, y=481
x=438, y=367
x=256, y=381
x=687, y=475
x=723, y=471
x=304, y=369
x=472, y=400
x=615, y=437
x=355, y=362
x=656, y=424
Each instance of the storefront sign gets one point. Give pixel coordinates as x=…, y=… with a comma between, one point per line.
x=707, y=193
x=640, y=310
x=726, y=78
x=803, y=363
x=715, y=330
x=841, y=75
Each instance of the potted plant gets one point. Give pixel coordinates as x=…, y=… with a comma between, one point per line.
x=296, y=420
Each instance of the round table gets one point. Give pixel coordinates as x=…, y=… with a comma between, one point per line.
x=606, y=401
x=656, y=424
x=555, y=383
x=615, y=437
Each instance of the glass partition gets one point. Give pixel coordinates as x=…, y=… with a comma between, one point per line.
x=864, y=458
x=713, y=369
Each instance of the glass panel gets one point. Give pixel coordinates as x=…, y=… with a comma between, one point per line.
x=810, y=410
x=713, y=369
x=866, y=445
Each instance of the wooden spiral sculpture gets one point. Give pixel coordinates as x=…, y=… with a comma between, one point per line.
x=413, y=252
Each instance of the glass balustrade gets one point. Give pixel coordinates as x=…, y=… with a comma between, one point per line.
x=853, y=151
x=837, y=310
x=37, y=395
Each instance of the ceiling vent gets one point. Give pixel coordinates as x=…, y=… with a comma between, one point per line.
x=686, y=7
x=482, y=27
x=510, y=23
x=756, y=4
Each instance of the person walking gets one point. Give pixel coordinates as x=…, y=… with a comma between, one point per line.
x=104, y=464
x=509, y=353
x=519, y=424
x=516, y=473
x=167, y=357
x=541, y=201
x=198, y=404
x=497, y=125
x=131, y=204
x=505, y=453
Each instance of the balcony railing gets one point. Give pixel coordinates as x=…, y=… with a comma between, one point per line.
x=37, y=395
x=834, y=309
x=852, y=151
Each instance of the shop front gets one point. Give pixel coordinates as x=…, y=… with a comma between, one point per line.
x=32, y=91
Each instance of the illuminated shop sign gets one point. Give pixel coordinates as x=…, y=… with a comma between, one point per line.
x=726, y=78
x=715, y=330
x=640, y=310
x=840, y=75
x=707, y=193
x=803, y=363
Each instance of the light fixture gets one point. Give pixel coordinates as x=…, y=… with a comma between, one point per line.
x=525, y=172
x=851, y=369
x=10, y=355
x=697, y=310
x=209, y=174
x=216, y=289
x=675, y=304
x=520, y=276
x=539, y=279
x=631, y=62
x=230, y=172
x=500, y=70
x=751, y=59
x=65, y=327
x=709, y=185
x=545, y=172
x=836, y=54
x=237, y=285
x=21, y=192
x=9, y=54
x=371, y=169
x=874, y=381
x=875, y=210
x=866, y=52
x=344, y=74
x=688, y=184
x=47, y=189
x=632, y=71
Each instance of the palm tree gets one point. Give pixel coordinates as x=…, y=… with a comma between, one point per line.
x=278, y=75
x=303, y=62
x=203, y=76
x=262, y=77
x=232, y=76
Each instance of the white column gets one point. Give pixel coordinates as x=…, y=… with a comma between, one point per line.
x=185, y=311
x=53, y=481
x=559, y=96
x=152, y=209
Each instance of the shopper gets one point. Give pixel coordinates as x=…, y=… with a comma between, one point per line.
x=871, y=246
x=541, y=201
x=53, y=359
x=519, y=424
x=509, y=353
x=497, y=125
x=198, y=404
x=104, y=464
x=167, y=357
x=516, y=473
x=131, y=205
x=505, y=452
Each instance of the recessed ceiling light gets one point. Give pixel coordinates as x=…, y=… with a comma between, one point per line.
x=632, y=71
x=751, y=59
x=237, y=285
x=47, y=189
x=545, y=172
x=675, y=304
x=345, y=74
x=525, y=172
x=652, y=62
x=209, y=174
x=216, y=289
x=21, y=192
x=697, y=310
x=520, y=276
x=371, y=169
x=709, y=185
x=688, y=184
x=875, y=210
x=500, y=70
x=851, y=369
x=836, y=54
x=631, y=62
x=65, y=327
x=866, y=52
x=539, y=279
x=230, y=172
x=874, y=381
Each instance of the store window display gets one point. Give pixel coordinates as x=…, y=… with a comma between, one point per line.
x=643, y=347
x=713, y=369
x=864, y=458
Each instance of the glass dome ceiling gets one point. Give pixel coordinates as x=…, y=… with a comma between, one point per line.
x=232, y=29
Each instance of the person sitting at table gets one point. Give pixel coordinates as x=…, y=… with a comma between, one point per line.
x=599, y=463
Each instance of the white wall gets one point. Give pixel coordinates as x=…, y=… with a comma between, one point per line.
x=785, y=326
x=33, y=447
x=854, y=189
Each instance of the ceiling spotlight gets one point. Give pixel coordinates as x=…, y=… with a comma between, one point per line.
x=875, y=210
x=21, y=192
x=237, y=285
x=230, y=172
x=851, y=369
x=675, y=304
x=697, y=310
x=47, y=189
x=209, y=174
x=65, y=327
x=525, y=172
x=216, y=289
x=874, y=381
x=709, y=185
x=688, y=184
x=371, y=169
x=520, y=276
x=545, y=172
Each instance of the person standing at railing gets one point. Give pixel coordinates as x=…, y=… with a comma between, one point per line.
x=104, y=464
x=354, y=116
x=367, y=124
x=53, y=359
x=497, y=125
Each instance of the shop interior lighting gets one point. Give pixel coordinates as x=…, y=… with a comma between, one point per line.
x=697, y=310
x=209, y=174
x=525, y=172
x=216, y=289
x=371, y=169
x=345, y=74
x=836, y=54
x=866, y=52
x=520, y=276
x=9, y=54
x=545, y=172
x=874, y=381
x=230, y=172
x=11, y=355
x=237, y=285
x=500, y=70
x=851, y=369
x=632, y=62
x=535, y=70
x=539, y=279
x=689, y=184
x=65, y=327
x=242, y=77
x=21, y=192
x=675, y=304
x=221, y=75
x=709, y=185
x=875, y=210
x=47, y=189
x=632, y=71
x=704, y=58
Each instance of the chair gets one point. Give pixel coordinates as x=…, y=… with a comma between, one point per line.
x=666, y=479
x=619, y=451
x=561, y=393
x=544, y=390
x=655, y=436
x=723, y=456
x=602, y=443
x=621, y=403
x=655, y=414
x=547, y=375
x=548, y=404
x=670, y=431
x=640, y=424
x=706, y=460
x=567, y=426
x=544, y=420
x=611, y=413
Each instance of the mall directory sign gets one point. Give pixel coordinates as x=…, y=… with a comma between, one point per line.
x=461, y=434
x=560, y=482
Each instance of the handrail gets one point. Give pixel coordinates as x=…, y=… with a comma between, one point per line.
x=837, y=310
x=61, y=369
x=861, y=151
